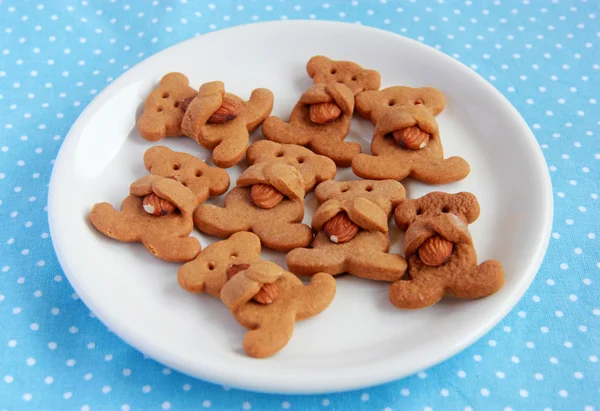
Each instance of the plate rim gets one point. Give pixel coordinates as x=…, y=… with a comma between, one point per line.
x=158, y=354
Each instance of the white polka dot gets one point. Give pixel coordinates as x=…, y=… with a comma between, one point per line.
x=563, y=393
x=539, y=376
x=477, y=357
x=125, y=407
x=485, y=392
x=444, y=392
x=558, y=313
x=461, y=374
x=578, y=375
x=506, y=329
x=108, y=357
x=166, y=405
x=27, y=397
x=529, y=344
x=593, y=358
x=70, y=362
x=208, y=404
x=492, y=343
x=34, y=327
x=553, y=360
x=544, y=329
x=48, y=380
x=500, y=374
x=146, y=389
x=52, y=345
x=88, y=376
x=523, y=393
x=515, y=359
x=364, y=397
x=285, y=405
x=186, y=387
x=126, y=372
x=246, y=405
x=67, y=395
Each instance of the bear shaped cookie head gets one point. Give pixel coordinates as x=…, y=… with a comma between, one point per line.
x=208, y=272
x=374, y=104
x=324, y=70
x=463, y=205
x=203, y=180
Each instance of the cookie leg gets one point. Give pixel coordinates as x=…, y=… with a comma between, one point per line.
x=175, y=249
x=113, y=223
x=309, y=261
x=231, y=150
x=218, y=221
x=480, y=282
x=441, y=171
x=316, y=296
x=283, y=237
x=379, y=266
x=420, y=292
x=259, y=107
x=379, y=167
x=341, y=152
x=277, y=130
x=271, y=335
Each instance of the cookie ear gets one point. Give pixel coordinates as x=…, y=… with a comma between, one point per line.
x=190, y=276
x=370, y=80
x=469, y=206
x=405, y=213
x=153, y=154
x=317, y=63
x=174, y=78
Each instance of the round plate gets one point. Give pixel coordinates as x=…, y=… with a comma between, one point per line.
x=360, y=340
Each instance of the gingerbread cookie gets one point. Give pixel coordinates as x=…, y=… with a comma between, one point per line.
x=195, y=174
x=407, y=143
x=352, y=232
x=157, y=213
x=440, y=252
x=163, y=109
x=320, y=121
x=268, y=200
x=262, y=296
x=313, y=167
x=222, y=122
x=324, y=70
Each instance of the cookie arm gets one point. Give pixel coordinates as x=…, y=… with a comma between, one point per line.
x=219, y=221
x=341, y=152
x=172, y=248
x=440, y=171
x=419, y=292
x=480, y=281
x=182, y=197
x=275, y=129
x=258, y=108
x=282, y=236
x=379, y=167
x=310, y=261
x=379, y=266
x=316, y=296
x=113, y=223
x=271, y=335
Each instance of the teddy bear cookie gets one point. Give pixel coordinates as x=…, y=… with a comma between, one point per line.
x=320, y=121
x=262, y=297
x=164, y=108
x=222, y=122
x=440, y=253
x=406, y=141
x=352, y=232
x=268, y=200
x=157, y=213
x=313, y=167
x=193, y=173
x=324, y=70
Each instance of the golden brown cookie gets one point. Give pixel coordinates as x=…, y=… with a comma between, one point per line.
x=195, y=174
x=232, y=270
x=163, y=110
x=165, y=236
x=320, y=121
x=313, y=167
x=440, y=252
x=268, y=200
x=352, y=232
x=407, y=143
x=324, y=70
x=222, y=122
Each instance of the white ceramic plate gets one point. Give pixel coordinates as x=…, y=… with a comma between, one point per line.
x=360, y=340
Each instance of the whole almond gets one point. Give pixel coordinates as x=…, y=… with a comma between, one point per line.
x=323, y=113
x=229, y=110
x=435, y=251
x=340, y=229
x=265, y=196
x=157, y=206
x=184, y=104
x=412, y=138
x=267, y=293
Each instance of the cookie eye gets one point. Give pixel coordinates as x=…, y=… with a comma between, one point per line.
x=369, y=189
x=418, y=102
x=234, y=255
x=301, y=160
x=176, y=104
x=175, y=166
x=391, y=102
x=419, y=211
x=333, y=71
x=445, y=209
x=280, y=154
x=159, y=110
x=345, y=188
x=165, y=95
x=211, y=265
x=354, y=78
x=198, y=173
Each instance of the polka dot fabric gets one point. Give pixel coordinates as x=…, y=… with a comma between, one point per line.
x=56, y=56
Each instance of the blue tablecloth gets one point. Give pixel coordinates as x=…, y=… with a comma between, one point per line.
x=56, y=56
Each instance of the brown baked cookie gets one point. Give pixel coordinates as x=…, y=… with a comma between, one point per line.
x=269, y=201
x=324, y=70
x=320, y=121
x=313, y=167
x=195, y=174
x=407, y=143
x=262, y=296
x=352, y=232
x=157, y=213
x=374, y=104
x=163, y=109
x=222, y=122
x=440, y=252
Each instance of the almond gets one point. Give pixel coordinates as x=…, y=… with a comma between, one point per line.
x=412, y=138
x=265, y=196
x=435, y=251
x=323, y=113
x=157, y=206
x=184, y=104
x=267, y=293
x=340, y=229
x=229, y=110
